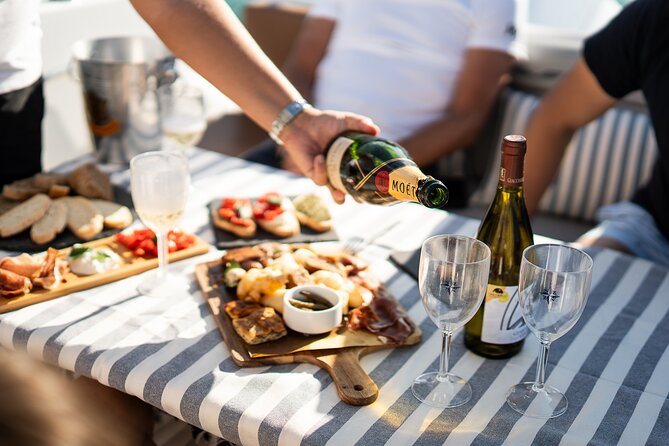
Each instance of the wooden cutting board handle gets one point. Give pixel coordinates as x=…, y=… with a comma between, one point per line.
x=353, y=384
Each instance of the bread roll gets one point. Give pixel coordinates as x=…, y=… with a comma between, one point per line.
x=90, y=182
x=51, y=224
x=24, y=215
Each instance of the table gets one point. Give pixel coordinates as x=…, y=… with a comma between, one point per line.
x=613, y=364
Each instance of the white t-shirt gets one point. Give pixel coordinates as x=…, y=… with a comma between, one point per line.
x=397, y=61
x=20, y=44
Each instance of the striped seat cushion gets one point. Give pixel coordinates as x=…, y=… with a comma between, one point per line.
x=604, y=163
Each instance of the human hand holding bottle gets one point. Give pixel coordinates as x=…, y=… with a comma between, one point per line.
x=308, y=135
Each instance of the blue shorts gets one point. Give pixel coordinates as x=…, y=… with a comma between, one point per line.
x=632, y=226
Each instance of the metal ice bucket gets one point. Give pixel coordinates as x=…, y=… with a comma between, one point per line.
x=119, y=77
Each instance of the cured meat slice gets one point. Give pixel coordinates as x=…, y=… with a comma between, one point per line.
x=383, y=317
x=12, y=284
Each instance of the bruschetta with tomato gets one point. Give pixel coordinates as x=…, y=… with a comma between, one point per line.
x=235, y=215
x=276, y=214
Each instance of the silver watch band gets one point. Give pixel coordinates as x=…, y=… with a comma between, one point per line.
x=285, y=116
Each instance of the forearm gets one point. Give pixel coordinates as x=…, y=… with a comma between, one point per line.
x=547, y=140
x=443, y=137
x=301, y=80
x=207, y=35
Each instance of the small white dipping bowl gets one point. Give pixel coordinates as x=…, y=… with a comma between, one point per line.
x=308, y=321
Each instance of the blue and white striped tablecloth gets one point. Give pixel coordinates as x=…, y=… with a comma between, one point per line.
x=613, y=365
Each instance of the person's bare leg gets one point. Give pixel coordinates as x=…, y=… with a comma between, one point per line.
x=121, y=418
x=603, y=242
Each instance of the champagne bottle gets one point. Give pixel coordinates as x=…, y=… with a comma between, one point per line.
x=379, y=171
x=498, y=330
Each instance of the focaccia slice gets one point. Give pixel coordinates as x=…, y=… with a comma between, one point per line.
x=260, y=326
x=241, y=308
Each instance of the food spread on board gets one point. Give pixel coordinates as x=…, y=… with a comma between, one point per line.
x=26, y=279
x=257, y=278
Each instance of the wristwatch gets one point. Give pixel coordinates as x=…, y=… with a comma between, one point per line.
x=285, y=116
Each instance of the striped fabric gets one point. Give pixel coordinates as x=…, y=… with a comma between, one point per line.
x=168, y=352
x=604, y=163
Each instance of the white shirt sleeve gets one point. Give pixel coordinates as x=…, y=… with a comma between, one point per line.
x=328, y=9
x=494, y=25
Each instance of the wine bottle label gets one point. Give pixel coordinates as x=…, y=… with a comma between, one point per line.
x=403, y=182
x=397, y=177
x=502, y=320
x=333, y=161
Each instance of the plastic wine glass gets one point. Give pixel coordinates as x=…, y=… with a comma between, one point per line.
x=159, y=183
x=452, y=278
x=553, y=290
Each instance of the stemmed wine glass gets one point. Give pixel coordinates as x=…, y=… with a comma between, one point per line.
x=553, y=289
x=452, y=278
x=182, y=115
x=159, y=183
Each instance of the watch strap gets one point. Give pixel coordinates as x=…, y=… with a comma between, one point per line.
x=285, y=116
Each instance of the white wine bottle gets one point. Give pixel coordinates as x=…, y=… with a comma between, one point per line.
x=379, y=171
x=498, y=329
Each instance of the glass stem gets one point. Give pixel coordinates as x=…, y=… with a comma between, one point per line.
x=162, y=255
x=542, y=360
x=445, y=354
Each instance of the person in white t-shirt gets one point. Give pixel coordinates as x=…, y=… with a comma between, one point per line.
x=21, y=98
x=426, y=71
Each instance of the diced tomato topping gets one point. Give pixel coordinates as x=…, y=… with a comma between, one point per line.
x=142, y=242
x=241, y=221
x=226, y=213
x=268, y=207
x=228, y=203
x=271, y=214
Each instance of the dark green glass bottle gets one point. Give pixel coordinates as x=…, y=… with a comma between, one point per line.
x=498, y=330
x=379, y=171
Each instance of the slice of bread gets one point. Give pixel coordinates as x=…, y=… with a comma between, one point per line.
x=227, y=225
x=89, y=181
x=51, y=224
x=6, y=204
x=24, y=215
x=46, y=181
x=82, y=217
x=116, y=216
x=285, y=224
x=313, y=213
x=21, y=190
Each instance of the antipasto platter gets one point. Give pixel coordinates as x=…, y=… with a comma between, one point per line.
x=251, y=289
x=29, y=279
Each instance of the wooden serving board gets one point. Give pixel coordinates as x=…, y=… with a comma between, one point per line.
x=131, y=266
x=338, y=352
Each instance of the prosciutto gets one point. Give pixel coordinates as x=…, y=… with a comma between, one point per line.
x=20, y=274
x=383, y=317
x=12, y=284
x=24, y=265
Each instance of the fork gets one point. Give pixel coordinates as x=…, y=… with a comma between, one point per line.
x=356, y=243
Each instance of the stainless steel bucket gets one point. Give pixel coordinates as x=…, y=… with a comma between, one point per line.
x=119, y=77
